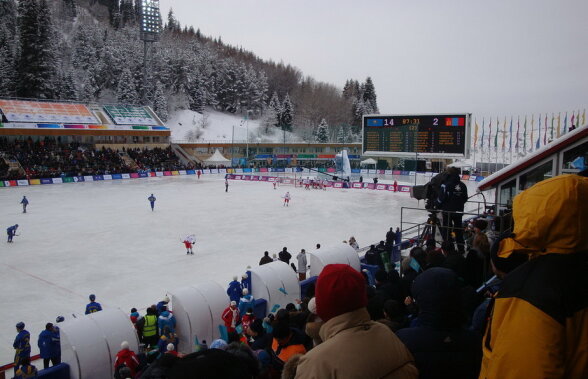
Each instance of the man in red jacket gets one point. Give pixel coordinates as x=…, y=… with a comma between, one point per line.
x=126, y=358
x=231, y=316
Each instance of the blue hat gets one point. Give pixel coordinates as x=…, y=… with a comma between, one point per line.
x=218, y=344
x=60, y=319
x=92, y=297
x=20, y=325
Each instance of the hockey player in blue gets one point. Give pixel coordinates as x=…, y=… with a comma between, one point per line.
x=93, y=306
x=21, y=345
x=152, y=201
x=24, y=203
x=11, y=231
x=234, y=290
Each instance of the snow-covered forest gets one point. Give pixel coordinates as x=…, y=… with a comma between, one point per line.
x=89, y=50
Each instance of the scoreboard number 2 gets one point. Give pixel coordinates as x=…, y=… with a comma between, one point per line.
x=435, y=121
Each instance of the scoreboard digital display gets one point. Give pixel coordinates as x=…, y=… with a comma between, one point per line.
x=443, y=135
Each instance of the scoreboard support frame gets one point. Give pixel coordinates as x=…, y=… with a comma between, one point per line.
x=408, y=154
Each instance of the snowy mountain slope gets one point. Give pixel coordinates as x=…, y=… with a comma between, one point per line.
x=211, y=125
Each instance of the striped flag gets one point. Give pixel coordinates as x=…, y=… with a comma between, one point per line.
x=496, y=135
x=482, y=138
x=518, y=128
x=565, y=128
x=510, y=136
x=551, y=135
x=476, y=134
x=525, y=135
x=490, y=134
x=532, y=130
x=558, y=124
x=545, y=130
x=583, y=117
x=504, y=133
x=539, y=136
x=572, y=126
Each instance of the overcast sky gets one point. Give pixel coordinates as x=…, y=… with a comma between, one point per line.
x=491, y=58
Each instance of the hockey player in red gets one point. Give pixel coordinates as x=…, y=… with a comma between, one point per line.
x=198, y=173
x=188, y=245
x=286, y=199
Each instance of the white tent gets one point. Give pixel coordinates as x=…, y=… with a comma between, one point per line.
x=368, y=161
x=217, y=159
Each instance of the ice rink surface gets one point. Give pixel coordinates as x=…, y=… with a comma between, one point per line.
x=103, y=238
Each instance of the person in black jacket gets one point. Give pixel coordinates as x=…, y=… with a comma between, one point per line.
x=284, y=255
x=453, y=194
x=265, y=259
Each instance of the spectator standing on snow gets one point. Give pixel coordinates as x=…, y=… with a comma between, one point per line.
x=166, y=319
x=24, y=203
x=301, y=257
x=285, y=256
x=93, y=306
x=152, y=201
x=231, y=317
x=265, y=259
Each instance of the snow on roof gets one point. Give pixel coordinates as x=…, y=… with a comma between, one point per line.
x=551, y=148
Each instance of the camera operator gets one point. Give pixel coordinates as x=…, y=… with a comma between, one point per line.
x=453, y=194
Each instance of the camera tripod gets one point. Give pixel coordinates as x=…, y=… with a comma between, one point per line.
x=432, y=230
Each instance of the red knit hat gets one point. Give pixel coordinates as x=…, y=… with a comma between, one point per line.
x=339, y=289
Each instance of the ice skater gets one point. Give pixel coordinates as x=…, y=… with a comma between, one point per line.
x=286, y=199
x=274, y=183
x=198, y=173
x=152, y=201
x=24, y=203
x=11, y=231
x=226, y=185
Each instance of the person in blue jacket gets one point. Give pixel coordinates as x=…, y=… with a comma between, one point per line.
x=56, y=359
x=166, y=319
x=46, y=345
x=22, y=346
x=152, y=201
x=93, y=306
x=11, y=231
x=24, y=203
x=234, y=290
x=162, y=305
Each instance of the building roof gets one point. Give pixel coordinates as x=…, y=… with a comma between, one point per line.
x=551, y=148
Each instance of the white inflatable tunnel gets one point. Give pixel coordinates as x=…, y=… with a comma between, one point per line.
x=343, y=253
x=277, y=283
x=198, y=310
x=89, y=343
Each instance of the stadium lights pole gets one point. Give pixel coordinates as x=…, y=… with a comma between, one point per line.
x=150, y=29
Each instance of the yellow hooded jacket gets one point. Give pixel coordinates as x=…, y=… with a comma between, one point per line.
x=539, y=321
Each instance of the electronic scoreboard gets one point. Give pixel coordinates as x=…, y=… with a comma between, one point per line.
x=441, y=135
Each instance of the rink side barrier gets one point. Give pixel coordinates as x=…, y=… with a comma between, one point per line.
x=233, y=173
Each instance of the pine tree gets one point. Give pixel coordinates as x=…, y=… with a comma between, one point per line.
x=276, y=106
x=8, y=75
x=8, y=18
x=70, y=7
x=287, y=115
x=160, y=102
x=67, y=87
x=342, y=135
x=88, y=90
x=126, y=92
x=127, y=12
x=47, y=49
x=322, y=133
x=173, y=24
x=369, y=95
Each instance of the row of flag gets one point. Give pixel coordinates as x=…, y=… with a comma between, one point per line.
x=546, y=131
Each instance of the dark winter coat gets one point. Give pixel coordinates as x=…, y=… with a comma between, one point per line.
x=234, y=291
x=265, y=259
x=453, y=196
x=285, y=256
x=442, y=348
x=45, y=343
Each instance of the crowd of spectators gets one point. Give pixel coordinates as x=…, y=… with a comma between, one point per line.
x=158, y=159
x=433, y=319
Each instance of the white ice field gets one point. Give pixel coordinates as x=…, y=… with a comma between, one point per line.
x=103, y=238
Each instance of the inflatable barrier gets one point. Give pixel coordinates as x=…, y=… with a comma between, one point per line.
x=277, y=283
x=344, y=253
x=89, y=343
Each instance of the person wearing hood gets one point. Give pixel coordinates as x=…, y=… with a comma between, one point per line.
x=341, y=300
x=162, y=305
x=126, y=358
x=302, y=263
x=537, y=326
x=442, y=348
x=166, y=318
x=247, y=301
x=234, y=291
